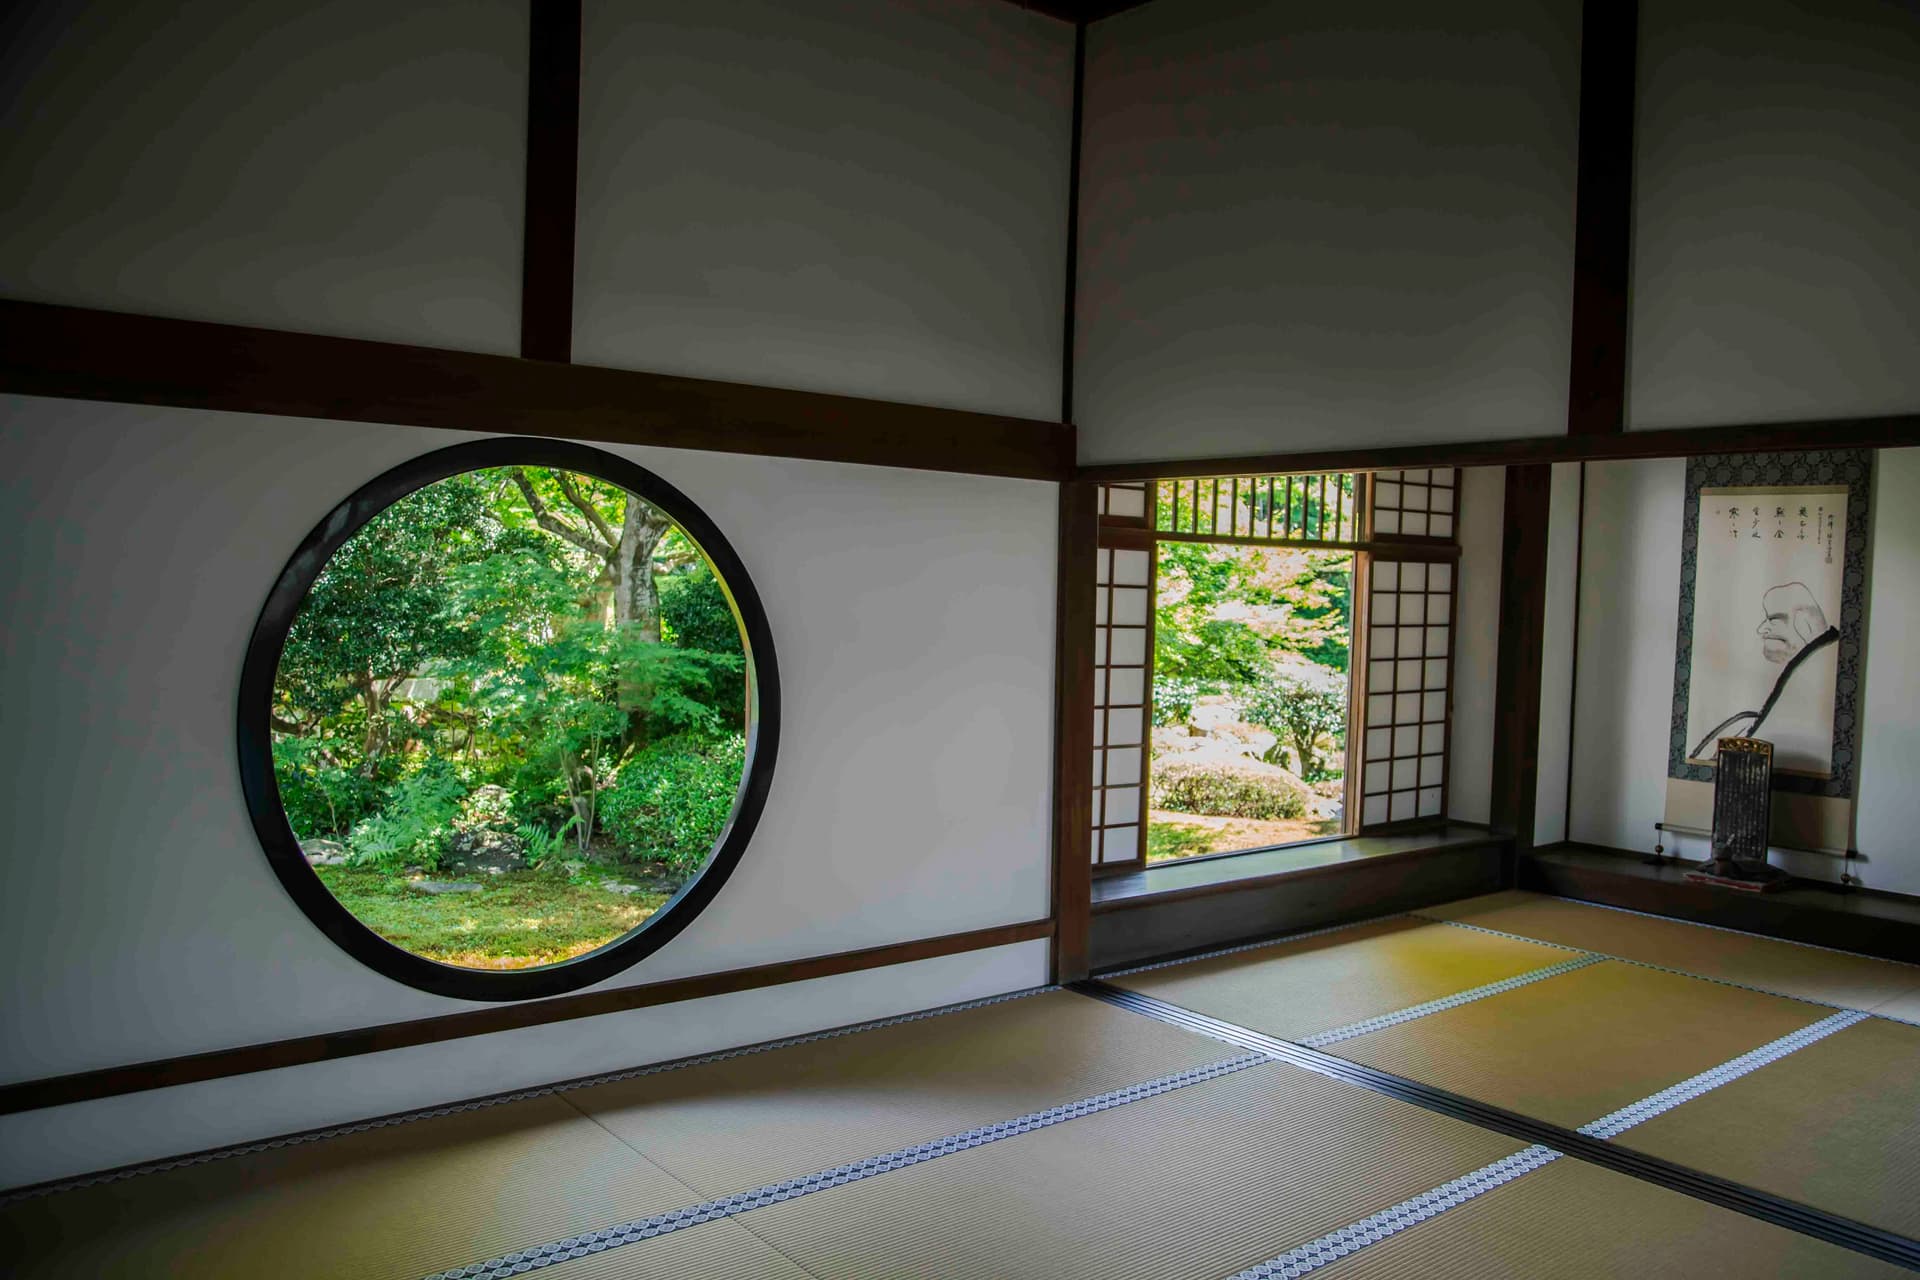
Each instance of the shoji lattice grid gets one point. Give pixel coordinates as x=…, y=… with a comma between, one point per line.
x=1123, y=504
x=1403, y=772
x=1415, y=504
x=1290, y=509
x=1122, y=657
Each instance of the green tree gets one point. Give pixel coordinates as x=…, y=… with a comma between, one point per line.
x=376, y=616
x=1300, y=704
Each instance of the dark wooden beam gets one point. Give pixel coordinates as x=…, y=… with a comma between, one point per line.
x=83, y=354
x=220, y=1063
x=553, y=164
x=1894, y=431
x=1073, y=732
x=1073, y=225
x=1523, y=614
x=1603, y=218
x=1078, y=11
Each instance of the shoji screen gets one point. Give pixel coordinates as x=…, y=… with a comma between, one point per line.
x=1410, y=597
x=1122, y=685
x=1122, y=677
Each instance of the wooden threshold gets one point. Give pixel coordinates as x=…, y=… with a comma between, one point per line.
x=82, y=354
x=219, y=1063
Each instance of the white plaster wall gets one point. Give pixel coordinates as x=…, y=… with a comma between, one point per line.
x=1887, y=821
x=349, y=167
x=58, y=1142
x=912, y=615
x=1476, y=637
x=1776, y=274
x=1318, y=224
x=1629, y=623
x=1556, y=657
x=858, y=196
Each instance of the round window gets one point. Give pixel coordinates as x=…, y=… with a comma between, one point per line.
x=508, y=718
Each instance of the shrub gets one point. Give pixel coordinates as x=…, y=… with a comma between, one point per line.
x=415, y=823
x=320, y=798
x=1302, y=705
x=671, y=801
x=1174, y=696
x=1225, y=790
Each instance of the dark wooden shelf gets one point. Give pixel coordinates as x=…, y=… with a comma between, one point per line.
x=1188, y=878
x=1177, y=908
x=1863, y=920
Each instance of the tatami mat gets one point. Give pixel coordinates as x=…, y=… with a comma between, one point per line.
x=729, y=1126
x=1191, y=1185
x=1835, y=1125
x=1851, y=981
x=1575, y=1221
x=399, y=1201
x=1575, y=1047
x=1301, y=988
x=719, y=1250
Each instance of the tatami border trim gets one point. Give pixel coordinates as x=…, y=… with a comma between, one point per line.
x=1335, y=1245
x=1687, y=973
x=1846, y=1232
x=498, y=1099
x=1367, y=1026
x=513, y=1264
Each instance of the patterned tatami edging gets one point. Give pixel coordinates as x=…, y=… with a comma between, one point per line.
x=1382, y=1021
x=1682, y=973
x=1335, y=1245
x=1554, y=1140
x=546, y=1255
x=498, y=1099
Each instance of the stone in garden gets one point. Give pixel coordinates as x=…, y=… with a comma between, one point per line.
x=444, y=886
x=614, y=886
x=324, y=853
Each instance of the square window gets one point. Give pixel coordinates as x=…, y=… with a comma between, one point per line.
x=1439, y=608
x=1436, y=674
x=1379, y=708
x=1130, y=502
x=1122, y=844
x=1386, y=575
x=1374, y=811
x=1129, y=647
x=1440, y=527
x=1379, y=743
x=1413, y=576
x=1130, y=568
x=1123, y=726
x=1380, y=676
x=1123, y=766
x=1414, y=523
x=1430, y=770
x=1102, y=567
x=1383, y=641
x=1413, y=608
x=1439, y=576
x=1127, y=686
x=1386, y=608
x=1436, y=642
x=1386, y=521
x=1403, y=806
x=1123, y=804
x=1386, y=493
x=1430, y=802
x=1129, y=606
x=1435, y=708
x=1376, y=777
x=1406, y=707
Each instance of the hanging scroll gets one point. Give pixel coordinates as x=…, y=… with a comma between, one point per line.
x=1772, y=595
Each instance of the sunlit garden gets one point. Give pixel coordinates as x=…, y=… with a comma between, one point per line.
x=1250, y=696
x=510, y=718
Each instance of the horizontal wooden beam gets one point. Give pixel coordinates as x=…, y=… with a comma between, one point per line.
x=84, y=354
x=217, y=1064
x=1891, y=432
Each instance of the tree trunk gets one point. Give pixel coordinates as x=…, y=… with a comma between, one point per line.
x=1303, y=744
x=376, y=725
x=636, y=601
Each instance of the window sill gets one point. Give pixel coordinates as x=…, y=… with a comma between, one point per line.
x=1172, y=881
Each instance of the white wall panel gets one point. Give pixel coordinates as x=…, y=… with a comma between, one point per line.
x=1888, y=816
x=912, y=618
x=349, y=167
x=1776, y=274
x=847, y=195
x=1477, y=642
x=1629, y=623
x=1556, y=661
x=1310, y=225
x=58, y=1142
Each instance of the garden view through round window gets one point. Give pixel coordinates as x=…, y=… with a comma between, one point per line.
x=508, y=718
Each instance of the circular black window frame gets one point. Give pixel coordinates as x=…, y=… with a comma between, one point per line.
x=255, y=737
